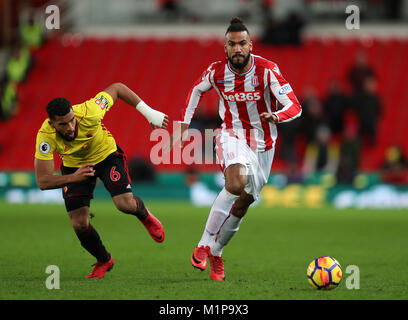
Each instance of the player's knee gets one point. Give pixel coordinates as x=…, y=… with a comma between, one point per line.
x=235, y=186
x=235, y=181
x=126, y=205
x=80, y=225
x=79, y=219
x=234, y=189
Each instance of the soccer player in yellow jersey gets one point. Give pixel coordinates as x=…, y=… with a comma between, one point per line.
x=89, y=151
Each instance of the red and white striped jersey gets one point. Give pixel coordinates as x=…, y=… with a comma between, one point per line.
x=243, y=97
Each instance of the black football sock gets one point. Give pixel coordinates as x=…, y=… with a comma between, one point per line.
x=141, y=211
x=91, y=241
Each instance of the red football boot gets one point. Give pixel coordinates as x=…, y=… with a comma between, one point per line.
x=154, y=227
x=101, y=268
x=217, y=268
x=199, y=257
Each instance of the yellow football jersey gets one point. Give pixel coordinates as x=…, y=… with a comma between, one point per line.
x=93, y=142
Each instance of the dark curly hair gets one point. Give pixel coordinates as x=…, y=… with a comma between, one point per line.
x=58, y=107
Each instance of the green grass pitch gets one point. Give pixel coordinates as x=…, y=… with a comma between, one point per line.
x=266, y=260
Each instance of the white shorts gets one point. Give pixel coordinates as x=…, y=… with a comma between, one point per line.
x=230, y=150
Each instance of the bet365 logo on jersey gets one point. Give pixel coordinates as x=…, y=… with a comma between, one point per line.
x=242, y=96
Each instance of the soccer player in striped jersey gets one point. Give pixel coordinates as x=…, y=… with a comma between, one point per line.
x=249, y=88
x=88, y=151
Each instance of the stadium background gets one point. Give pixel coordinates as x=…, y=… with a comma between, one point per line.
x=159, y=48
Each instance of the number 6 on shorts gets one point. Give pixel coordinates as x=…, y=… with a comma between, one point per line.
x=114, y=175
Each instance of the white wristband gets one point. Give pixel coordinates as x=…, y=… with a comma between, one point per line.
x=153, y=116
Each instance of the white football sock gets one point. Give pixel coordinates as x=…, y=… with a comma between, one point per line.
x=220, y=211
x=229, y=228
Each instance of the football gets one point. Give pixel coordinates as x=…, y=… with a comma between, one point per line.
x=324, y=273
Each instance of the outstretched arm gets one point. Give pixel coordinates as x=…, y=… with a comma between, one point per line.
x=119, y=90
x=155, y=118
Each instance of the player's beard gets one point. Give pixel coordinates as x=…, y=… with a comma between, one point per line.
x=68, y=138
x=239, y=65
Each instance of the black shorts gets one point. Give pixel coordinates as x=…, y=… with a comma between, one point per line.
x=112, y=171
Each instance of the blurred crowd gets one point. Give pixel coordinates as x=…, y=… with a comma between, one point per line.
x=334, y=128
x=337, y=127
x=17, y=61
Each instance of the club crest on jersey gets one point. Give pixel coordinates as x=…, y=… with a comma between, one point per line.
x=102, y=102
x=254, y=81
